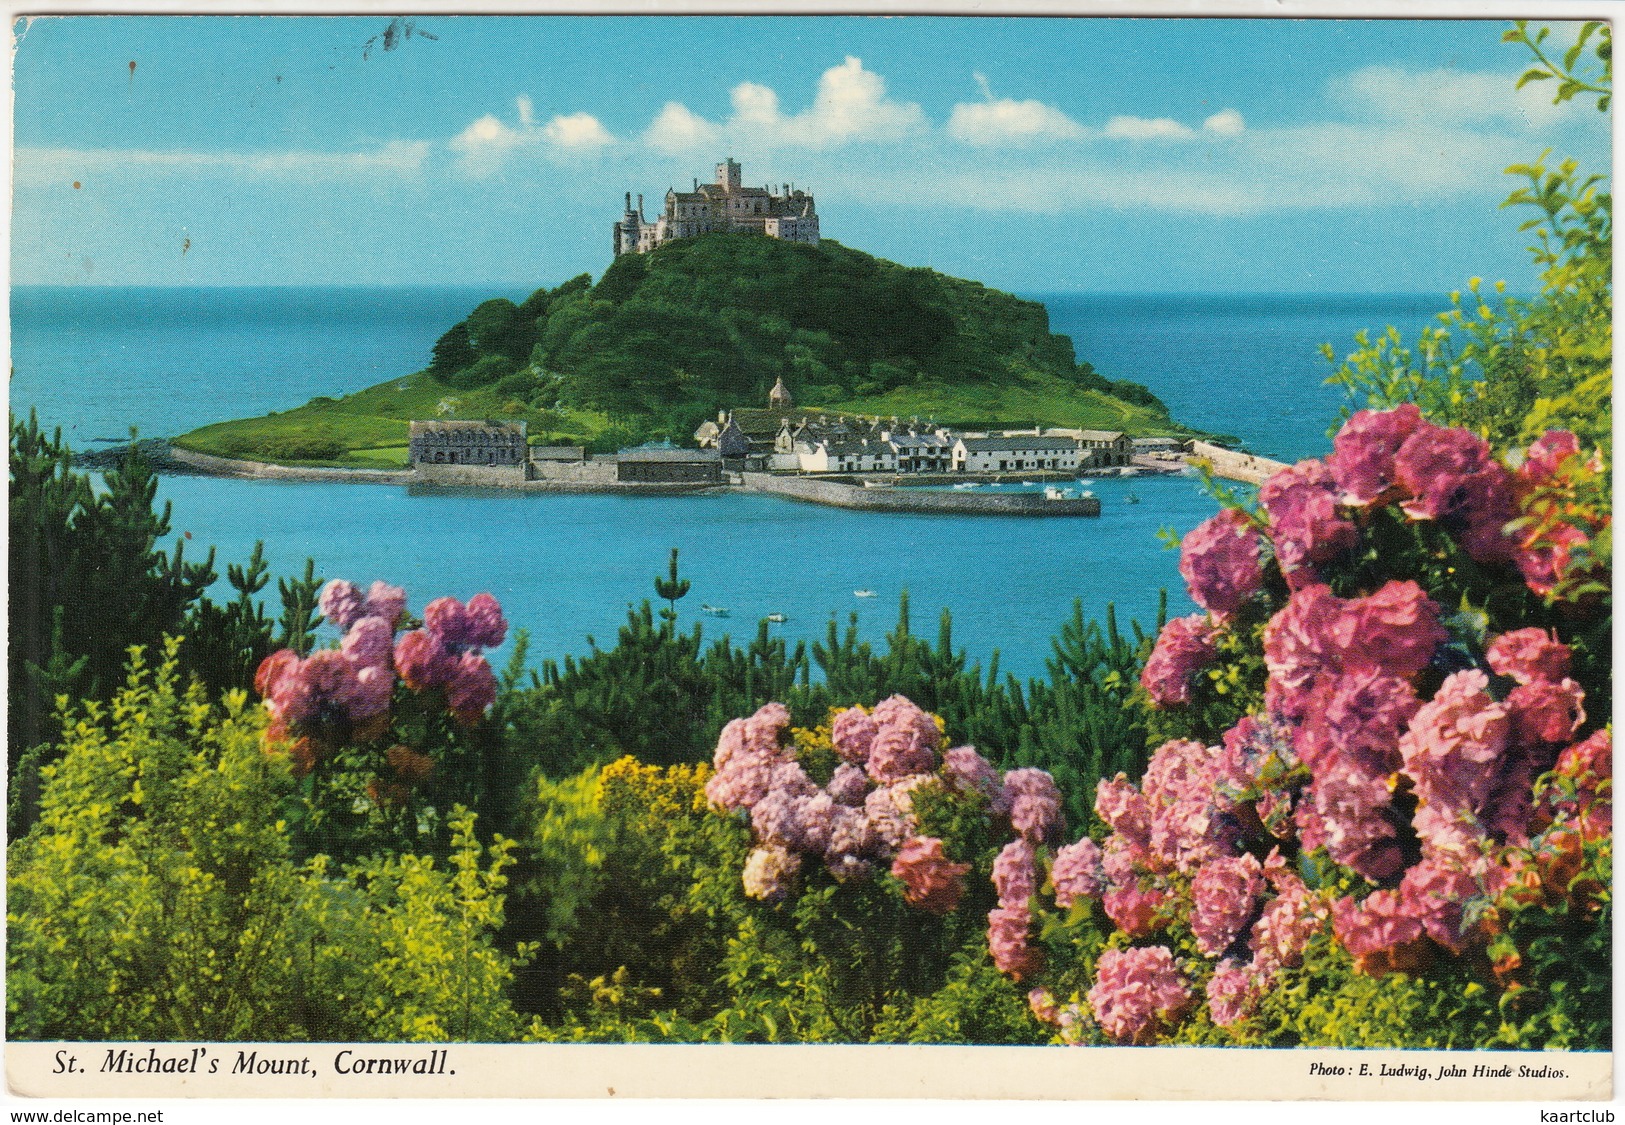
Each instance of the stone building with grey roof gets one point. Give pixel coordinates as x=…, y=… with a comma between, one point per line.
x=787, y=213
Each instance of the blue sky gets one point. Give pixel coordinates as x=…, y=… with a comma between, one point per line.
x=1032, y=154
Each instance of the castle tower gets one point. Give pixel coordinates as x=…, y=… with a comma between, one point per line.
x=729, y=175
x=779, y=397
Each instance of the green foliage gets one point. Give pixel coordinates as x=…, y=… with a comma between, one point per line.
x=663, y=695
x=486, y=371
x=670, y=589
x=157, y=897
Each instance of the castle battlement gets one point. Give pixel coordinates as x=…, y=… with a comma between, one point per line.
x=726, y=205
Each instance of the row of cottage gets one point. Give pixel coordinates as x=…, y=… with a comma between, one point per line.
x=785, y=441
x=472, y=451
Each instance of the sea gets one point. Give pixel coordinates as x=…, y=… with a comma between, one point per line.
x=99, y=362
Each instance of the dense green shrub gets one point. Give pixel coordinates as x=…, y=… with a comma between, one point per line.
x=157, y=897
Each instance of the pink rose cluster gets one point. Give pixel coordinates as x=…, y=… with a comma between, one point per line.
x=343, y=695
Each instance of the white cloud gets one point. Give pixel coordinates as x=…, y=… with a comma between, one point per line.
x=1006, y=121
x=395, y=158
x=488, y=141
x=577, y=131
x=851, y=105
x=677, y=129
x=1148, y=129
x=1445, y=96
x=1225, y=123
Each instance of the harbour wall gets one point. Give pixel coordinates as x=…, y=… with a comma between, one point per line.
x=841, y=494
x=1227, y=463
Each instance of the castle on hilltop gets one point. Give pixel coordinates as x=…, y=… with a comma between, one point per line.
x=787, y=214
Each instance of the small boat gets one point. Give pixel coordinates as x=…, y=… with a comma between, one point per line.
x=877, y=484
x=1053, y=493
x=714, y=610
x=966, y=486
x=1086, y=483
x=863, y=593
x=777, y=618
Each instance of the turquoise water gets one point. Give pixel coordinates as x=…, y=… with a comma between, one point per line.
x=97, y=361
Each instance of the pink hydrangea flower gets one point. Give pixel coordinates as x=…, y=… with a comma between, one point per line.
x=1191, y=821
x=1305, y=524
x=385, y=601
x=1362, y=460
x=1544, y=711
x=1137, y=910
x=370, y=697
x=849, y=785
x=1222, y=562
x=1139, y=994
x=769, y=872
x=1124, y=809
x=1437, y=465
x=340, y=602
x=483, y=623
x=1284, y=928
x=852, y=843
x=1298, y=648
x=1043, y=1006
x=748, y=754
x=899, y=714
x=966, y=771
x=1184, y=647
x=905, y=741
x=1379, y=924
x=1077, y=873
x=1015, y=874
x=1035, y=803
x=446, y=618
x=1545, y=557
x=1224, y=897
x=370, y=642
x=1356, y=719
x=423, y=661
x=890, y=810
x=930, y=880
x=1529, y=654
x=1349, y=814
x=274, y=669
x=1233, y=992
x=1436, y=892
x=853, y=733
x=1397, y=629
x=1007, y=934
x=472, y=689
x=1454, y=746
x=765, y=730
x=1544, y=458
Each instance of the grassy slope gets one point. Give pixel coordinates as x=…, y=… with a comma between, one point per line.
x=1035, y=400
x=372, y=424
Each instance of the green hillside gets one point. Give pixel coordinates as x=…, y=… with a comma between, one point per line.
x=665, y=340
